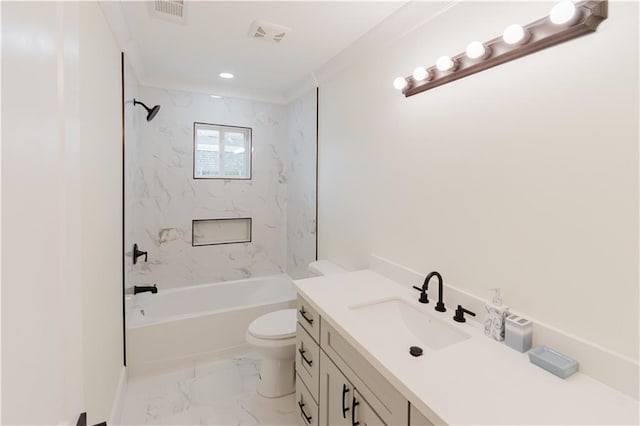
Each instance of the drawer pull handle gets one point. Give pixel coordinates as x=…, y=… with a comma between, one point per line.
x=306, y=417
x=345, y=389
x=303, y=313
x=354, y=404
x=304, y=358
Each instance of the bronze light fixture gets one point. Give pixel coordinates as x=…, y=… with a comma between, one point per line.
x=566, y=21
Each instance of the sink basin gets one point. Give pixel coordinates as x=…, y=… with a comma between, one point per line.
x=396, y=320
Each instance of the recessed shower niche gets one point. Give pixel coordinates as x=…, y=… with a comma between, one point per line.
x=208, y=232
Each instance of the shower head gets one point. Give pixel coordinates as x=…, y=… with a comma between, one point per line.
x=151, y=112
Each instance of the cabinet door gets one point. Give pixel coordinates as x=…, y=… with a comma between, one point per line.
x=416, y=418
x=336, y=394
x=363, y=414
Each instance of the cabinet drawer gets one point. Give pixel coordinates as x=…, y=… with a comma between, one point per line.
x=309, y=318
x=307, y=407
x=308, y=360
x=387, y=402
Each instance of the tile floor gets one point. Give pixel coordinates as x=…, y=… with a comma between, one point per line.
x=219, y=392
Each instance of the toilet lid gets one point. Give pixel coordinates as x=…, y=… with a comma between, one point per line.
x=275, y=325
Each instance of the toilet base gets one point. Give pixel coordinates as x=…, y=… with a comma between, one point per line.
x=277, y=378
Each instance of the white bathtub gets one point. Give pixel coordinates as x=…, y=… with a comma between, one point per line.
x=193, y=322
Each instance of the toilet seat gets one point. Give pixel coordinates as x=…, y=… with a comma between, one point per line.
x=276, y=325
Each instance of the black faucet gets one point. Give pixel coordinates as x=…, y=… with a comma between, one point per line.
x=440, y=305
x=143, y=288
x=137, y=253
x=459, y=316
x=424, y=298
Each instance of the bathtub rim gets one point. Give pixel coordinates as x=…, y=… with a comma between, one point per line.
x=181, y=317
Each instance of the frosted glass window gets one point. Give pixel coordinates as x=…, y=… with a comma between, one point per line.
x=221, y=152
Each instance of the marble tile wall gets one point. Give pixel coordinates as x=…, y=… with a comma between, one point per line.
x=165, y=197
x=301, y=184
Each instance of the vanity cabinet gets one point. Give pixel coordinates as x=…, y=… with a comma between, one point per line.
x=307, y=363
x=342, y=404
x=337, y=386
x=363, y=414
x=336, y=394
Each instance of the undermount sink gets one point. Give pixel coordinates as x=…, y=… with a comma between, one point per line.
x=396, y=320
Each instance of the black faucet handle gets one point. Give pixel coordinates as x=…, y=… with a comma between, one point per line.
x=459, y=316
x=423, y=294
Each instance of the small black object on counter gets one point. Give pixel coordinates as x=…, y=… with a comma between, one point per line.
x=415, y=350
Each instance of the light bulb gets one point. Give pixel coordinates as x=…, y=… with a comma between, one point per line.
x=563, y=12
x=444, y=63
x=513, y=34
x=226, y=75
x=215, y=96
x=400, y=83
x=420, y=73
x=476, y=50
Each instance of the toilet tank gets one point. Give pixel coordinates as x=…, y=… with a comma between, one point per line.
x=320, y=268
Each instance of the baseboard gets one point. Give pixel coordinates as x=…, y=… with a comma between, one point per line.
x=118, y=401
x=613, y=369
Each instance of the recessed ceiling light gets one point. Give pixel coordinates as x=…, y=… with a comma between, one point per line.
x=215, y=96
x=226, y=75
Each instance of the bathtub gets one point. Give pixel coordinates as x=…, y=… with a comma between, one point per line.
x=183, y=324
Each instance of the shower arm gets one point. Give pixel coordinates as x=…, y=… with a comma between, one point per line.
x=135, y=102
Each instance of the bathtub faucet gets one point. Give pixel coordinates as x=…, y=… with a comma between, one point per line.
x=143, y=288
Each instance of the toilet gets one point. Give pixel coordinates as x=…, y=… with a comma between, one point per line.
x=273, y=336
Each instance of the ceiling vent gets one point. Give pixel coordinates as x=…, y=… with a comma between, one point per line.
x=267, y=31
x=170, y=10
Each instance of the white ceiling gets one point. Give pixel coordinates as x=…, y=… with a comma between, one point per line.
x=214, y=38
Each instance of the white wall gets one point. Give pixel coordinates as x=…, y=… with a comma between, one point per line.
x=301, y=184
x=56, y=247
x=101, y=135
x=41, y=303
x=524, y=176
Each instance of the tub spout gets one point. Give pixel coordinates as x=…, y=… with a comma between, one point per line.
x=143, y=288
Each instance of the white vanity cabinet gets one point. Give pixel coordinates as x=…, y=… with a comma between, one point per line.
x=342, y=404
x=336, y=394
x=307, y=363
x=337, y=386
x=363, y=414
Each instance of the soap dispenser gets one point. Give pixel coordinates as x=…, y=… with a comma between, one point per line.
x=496, y=316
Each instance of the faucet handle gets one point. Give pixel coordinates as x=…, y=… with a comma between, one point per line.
x=424, y=298
x=459, y=316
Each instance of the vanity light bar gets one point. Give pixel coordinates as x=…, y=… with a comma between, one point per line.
x=566, y=21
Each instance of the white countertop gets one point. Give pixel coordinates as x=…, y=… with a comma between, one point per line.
x=476, y=381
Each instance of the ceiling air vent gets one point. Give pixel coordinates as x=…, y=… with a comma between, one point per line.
x=170, y=10
x=267, y=31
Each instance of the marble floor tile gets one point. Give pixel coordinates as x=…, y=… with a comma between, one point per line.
x=218, y=392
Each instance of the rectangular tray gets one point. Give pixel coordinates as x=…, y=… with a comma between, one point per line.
x=553, y=361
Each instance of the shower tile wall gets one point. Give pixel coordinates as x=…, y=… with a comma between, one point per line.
x=301, y=185
x=166, y=198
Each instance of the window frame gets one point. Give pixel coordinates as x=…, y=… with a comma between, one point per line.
x=222, y=128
